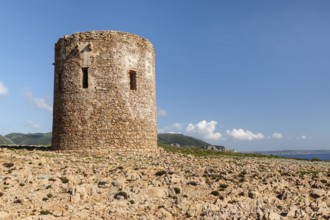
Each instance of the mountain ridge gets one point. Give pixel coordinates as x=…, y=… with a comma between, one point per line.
x=45, y=139
x=182, y=140
x=186, y=141
x=29, y=139
x=5, y=141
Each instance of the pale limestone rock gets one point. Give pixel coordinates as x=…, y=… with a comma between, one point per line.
x=274, y=216
x=155, y=192
x=292, y=211
x=317, y=193
x=132, y=176
x=153, y=197
x=4, y=215
x=162, y=213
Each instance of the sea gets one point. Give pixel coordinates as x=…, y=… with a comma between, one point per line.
x=323, y=157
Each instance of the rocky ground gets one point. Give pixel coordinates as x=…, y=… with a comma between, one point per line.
x=51, y=185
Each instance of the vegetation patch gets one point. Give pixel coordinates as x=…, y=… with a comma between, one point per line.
x=223, y=186
x=177, y=190
x=18, y=201
x=64, y=179
x=8, y=165
x=233, y=202
x=192, y=183
x=49, y=195
x=315, y=159
x=131, y=202
x=102, y=183
x=45, y=212
x=160, y=173
x=215, y=193
x=121, y=194
x=198, y=152
x=310, y=172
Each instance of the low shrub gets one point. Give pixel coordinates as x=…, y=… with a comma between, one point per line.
x=315, y=159
x=223, y=186
x=215, y=193
x=160, y=173
x=64, y=179
x=8, y=165
x=177, y=190
x=193, y=183
x=121, y=194
x=45, y=212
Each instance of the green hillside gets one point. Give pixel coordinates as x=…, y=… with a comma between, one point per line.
x=30, y=139
x=5, y=141
x=45, y=139
x=181, y=139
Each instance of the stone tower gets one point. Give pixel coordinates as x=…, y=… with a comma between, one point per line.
x=104, y=93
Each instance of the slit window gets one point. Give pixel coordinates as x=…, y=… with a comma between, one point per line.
x=85, y=78
x=132, y=77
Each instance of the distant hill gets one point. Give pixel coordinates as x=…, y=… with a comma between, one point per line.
x=45, y=139
x=5, y=141
x=30, y=139
x=181, y=139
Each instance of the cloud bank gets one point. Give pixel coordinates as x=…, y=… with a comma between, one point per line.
x=277, y=135
x=177, y=126
x=162, y=112
x=39, y=103
x=241, y=134
x=205, y=130
x=3, y=89
x=305, y=137
x=32, y=126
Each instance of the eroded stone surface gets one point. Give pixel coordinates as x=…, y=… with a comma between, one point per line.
x=109, y=114
x=49, y=185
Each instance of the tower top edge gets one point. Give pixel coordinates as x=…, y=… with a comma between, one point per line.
x=94, y=34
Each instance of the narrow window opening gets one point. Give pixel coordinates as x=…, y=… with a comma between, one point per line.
x=132, y=76
x=85, y=78
x=60, y=82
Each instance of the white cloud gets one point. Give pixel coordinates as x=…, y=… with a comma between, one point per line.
x=3, y=89
x=277, y=135
x=177, y=126
x=162, y=112
x=33, y=126
x=240, y=134
x=305, y=137
x=40, y=103
x=161, y=130
x=205, y=130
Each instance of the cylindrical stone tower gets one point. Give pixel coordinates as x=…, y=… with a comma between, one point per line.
x=105, y=93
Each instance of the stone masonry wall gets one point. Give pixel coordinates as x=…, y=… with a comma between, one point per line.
x=110, y=114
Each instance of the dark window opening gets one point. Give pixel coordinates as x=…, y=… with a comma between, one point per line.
x=60, y=82
x=85, y=78
x=132, y=76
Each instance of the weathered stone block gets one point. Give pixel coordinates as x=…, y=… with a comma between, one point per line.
x=104, y=92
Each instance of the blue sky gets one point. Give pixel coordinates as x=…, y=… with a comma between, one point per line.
x=250, y=75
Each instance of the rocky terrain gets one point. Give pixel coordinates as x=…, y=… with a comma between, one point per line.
x=50, y=185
